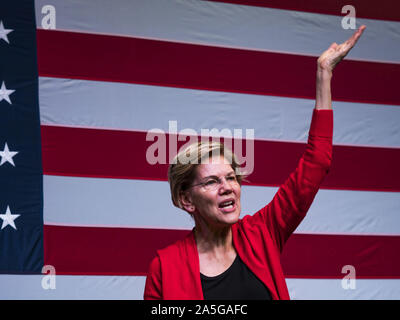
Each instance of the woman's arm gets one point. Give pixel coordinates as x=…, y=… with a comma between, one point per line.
x=323, y=99
x=326, y=63
x=295, y=196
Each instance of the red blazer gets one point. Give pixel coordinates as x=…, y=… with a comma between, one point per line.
x=258, y=239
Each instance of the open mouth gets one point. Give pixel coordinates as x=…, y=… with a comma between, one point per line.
x=228, y=205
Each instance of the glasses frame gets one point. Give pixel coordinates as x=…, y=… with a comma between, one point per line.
x=219, y=182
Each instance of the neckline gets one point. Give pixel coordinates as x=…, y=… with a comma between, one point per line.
x=203, y=276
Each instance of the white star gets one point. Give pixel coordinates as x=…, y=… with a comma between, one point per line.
x=7, y=155
x=8, y=219
x=4, y=32
x=4, y=93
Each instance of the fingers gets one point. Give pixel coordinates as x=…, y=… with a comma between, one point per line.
x=362, y=28
x=356, y=35
x=333, y=46
x=346, y=46
x=336, y=52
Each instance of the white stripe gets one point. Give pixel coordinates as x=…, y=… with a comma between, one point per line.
x=130, y=203
x=227, y=25
x=331, y=289
x=25, y=287
x=121, y=106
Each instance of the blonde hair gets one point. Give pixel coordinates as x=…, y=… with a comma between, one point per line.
x=182, y=171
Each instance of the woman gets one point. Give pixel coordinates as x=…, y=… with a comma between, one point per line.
x=225, y=257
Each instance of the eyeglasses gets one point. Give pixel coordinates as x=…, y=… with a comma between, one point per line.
x=214, y=183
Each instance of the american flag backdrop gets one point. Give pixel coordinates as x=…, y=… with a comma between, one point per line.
x=82, y=82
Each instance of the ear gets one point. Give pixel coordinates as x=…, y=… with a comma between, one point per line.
x=187, y=202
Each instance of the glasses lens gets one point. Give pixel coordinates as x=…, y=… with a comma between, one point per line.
x=213, y=184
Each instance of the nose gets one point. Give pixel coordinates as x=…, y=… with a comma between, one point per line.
x=225, y=186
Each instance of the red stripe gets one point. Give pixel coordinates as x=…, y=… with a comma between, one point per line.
x=123, y=251
x=152, y=62
x=382, y=10
x=104, y=251
x=324, y=256
x=122, y=154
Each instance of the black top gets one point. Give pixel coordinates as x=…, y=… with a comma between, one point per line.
x=235, y=283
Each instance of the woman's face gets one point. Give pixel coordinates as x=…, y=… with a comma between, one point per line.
x=215, y=195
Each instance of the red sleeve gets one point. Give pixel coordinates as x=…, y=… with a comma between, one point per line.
x=295, y=196
x=152, y=290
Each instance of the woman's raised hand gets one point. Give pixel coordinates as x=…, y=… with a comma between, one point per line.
x=336, y=52
x=326, y=63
